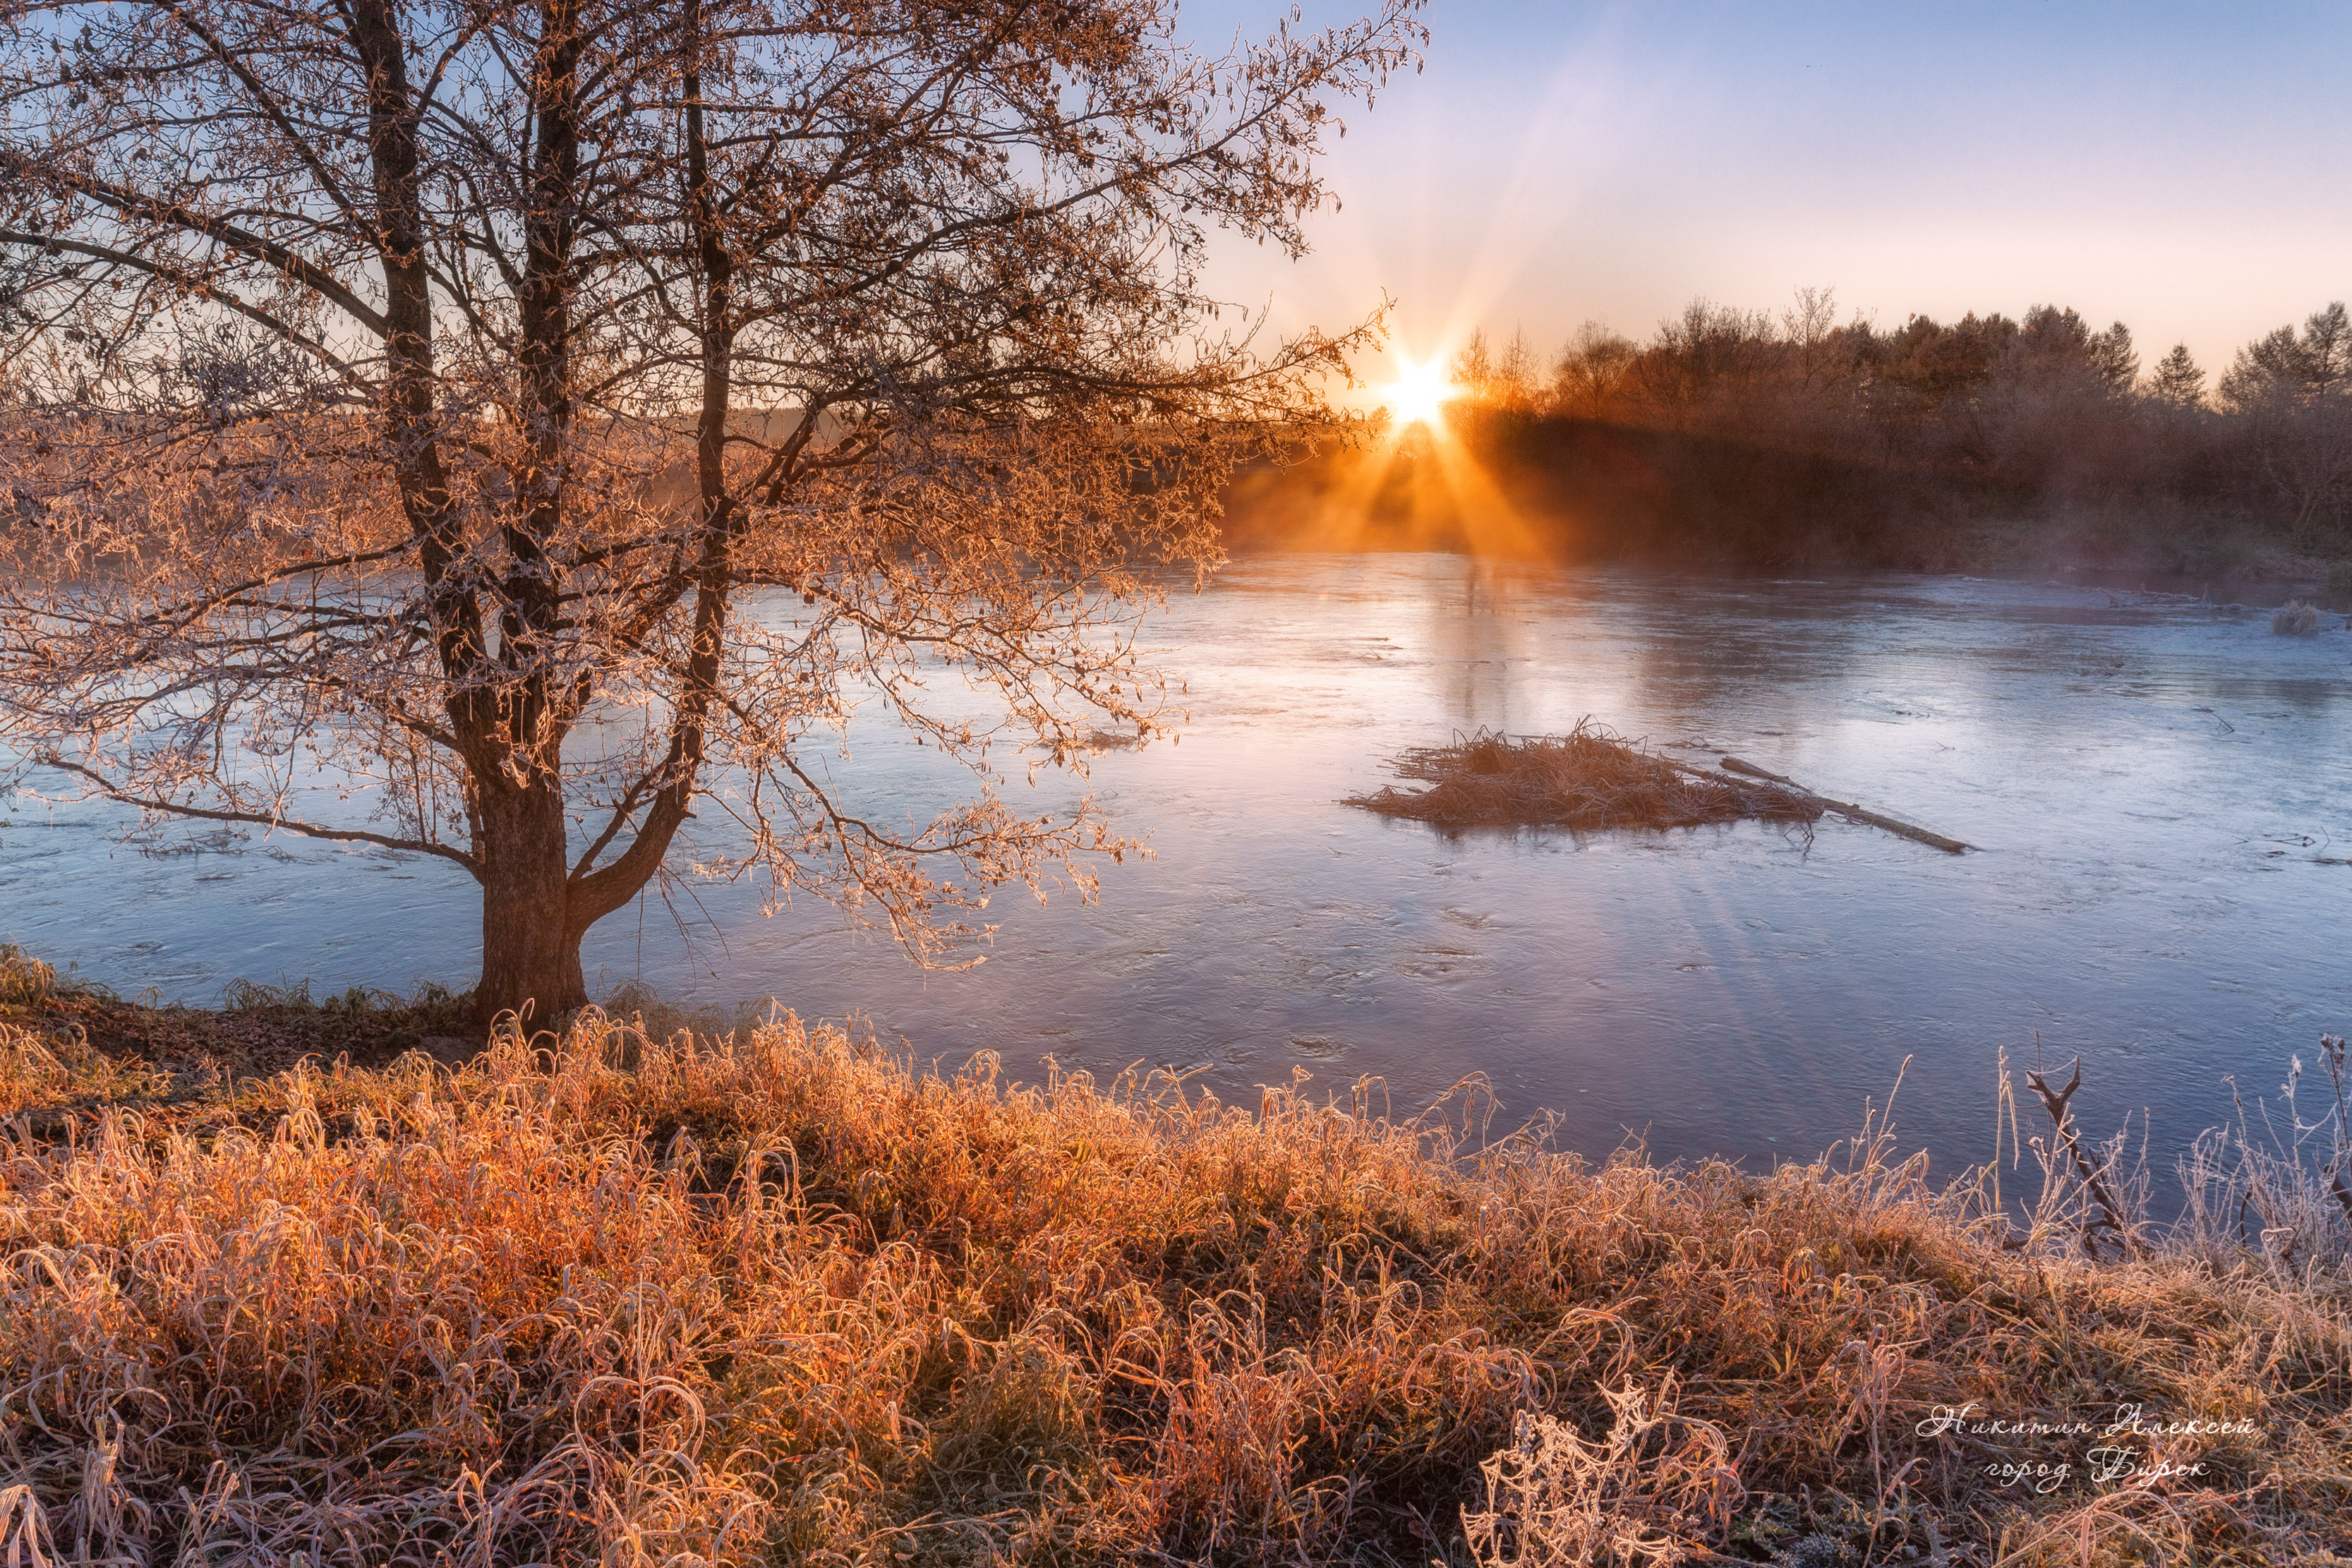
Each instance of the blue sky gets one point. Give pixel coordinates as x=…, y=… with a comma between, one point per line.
x=2185, y=168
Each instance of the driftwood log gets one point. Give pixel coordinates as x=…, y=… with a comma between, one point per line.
x=1848, y=809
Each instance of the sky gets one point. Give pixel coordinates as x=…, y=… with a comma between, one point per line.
x=2185, y=169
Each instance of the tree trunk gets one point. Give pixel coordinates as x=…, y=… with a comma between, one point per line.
x=531, y=945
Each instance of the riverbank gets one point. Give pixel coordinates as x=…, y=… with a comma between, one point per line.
x=776, y=1297
x=1582, y=492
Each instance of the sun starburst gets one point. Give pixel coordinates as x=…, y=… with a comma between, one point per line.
x=1420, y=393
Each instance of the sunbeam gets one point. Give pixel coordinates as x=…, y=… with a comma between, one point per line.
x=1419, y=393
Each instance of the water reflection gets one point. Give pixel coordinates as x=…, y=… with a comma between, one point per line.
x=2160, y=790
x=1474, y=625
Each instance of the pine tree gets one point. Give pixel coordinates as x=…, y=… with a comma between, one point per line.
x=2177, y=379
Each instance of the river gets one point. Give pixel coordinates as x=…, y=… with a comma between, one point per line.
x=2159, y=791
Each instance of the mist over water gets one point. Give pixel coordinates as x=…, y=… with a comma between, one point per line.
x=2158, y=790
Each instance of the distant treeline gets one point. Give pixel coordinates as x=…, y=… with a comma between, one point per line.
x=1779, y=437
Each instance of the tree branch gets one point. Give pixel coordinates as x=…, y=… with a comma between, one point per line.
x=132, y=203
x=108, y=788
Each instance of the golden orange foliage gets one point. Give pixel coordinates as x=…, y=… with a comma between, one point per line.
x=773, y=1296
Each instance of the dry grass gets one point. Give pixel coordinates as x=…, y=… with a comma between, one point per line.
x=78, y=1048
x=25, y=981
x=2295, y=618
x=2281, y=1193
x=1658, y=1482
x=1588, y=778
x=771, y=1298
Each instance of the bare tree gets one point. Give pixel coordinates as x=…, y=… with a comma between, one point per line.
x=1505, y=380
x=536, y=417
x=1473, y=366
x=1709, y=362
x=1516, y=373
x=1809, y=326
x=1591, y=370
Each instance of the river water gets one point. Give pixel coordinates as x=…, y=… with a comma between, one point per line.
x=2159, y=791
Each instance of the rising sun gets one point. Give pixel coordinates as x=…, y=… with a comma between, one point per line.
x=1419, y=393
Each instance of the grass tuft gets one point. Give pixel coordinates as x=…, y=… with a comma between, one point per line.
x=25, y=981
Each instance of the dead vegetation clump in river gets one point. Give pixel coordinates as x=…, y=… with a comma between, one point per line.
x=773, y=1296
x=1588, y=778
x=2295, y=618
